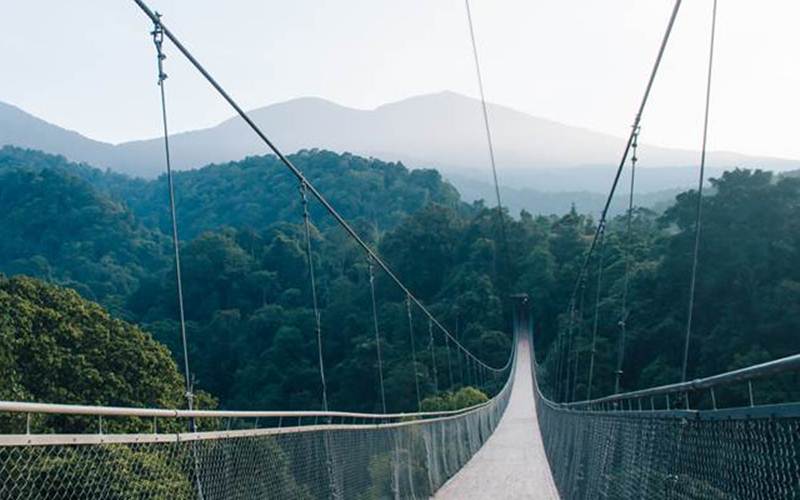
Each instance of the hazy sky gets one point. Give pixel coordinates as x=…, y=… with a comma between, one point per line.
x=89, y=65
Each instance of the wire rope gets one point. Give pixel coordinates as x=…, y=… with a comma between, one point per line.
x=377, y=334
x=623, y=161
x=314, y=299
x=432, y=348
x=488, y=129
x=596, y=320
x=310, y=186
x=624, y=312
x=637, y=120
x=699, y=207
x=413, y=351
x=158, y=40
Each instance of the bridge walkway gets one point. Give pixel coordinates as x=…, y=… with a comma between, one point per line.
x=512, y=464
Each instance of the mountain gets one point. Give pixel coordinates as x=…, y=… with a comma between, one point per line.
x=443, y=130
x=18, y=128
x=585, y=201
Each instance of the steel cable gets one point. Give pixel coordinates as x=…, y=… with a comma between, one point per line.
x=623, y=321
x=413, y=351
x=596, y=320
x=489, y=142
x=449, y=363
x=314, y=300
x=604, y=214
x=699, y=209
x=432, y=348
x=309, y=185
x=377, y=334
x=158, y=40
x=625, y=153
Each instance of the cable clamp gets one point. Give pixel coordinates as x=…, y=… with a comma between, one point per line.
x=158, y=40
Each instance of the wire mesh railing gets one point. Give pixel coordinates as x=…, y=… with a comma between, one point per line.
x=300, y=455
x=651, y=444
x=678, y=454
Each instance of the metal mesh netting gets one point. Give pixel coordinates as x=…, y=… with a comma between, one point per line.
x=401, y=460
x=698, y=455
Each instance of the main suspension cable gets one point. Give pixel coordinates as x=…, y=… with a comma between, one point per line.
x=634, y=128
x=699, y=208
x=158, y=40
x=311, y=188
x=579, y=282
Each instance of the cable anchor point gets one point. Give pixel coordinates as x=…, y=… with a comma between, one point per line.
x=158, y=41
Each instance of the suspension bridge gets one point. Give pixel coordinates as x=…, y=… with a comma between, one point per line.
x=526, y=441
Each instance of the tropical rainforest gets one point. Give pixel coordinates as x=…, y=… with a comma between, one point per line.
x=84, y=236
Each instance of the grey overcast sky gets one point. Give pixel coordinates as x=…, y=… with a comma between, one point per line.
x=88, y=65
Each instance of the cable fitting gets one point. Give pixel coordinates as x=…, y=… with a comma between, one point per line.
x=158, y=40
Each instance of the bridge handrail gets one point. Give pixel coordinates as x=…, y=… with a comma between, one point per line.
x=163, y=437
x=321, y=419
x=752, y=372
x=122, y=411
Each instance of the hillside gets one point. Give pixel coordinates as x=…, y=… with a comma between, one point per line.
x=57, y=226
x=244, y=266
x=259, y=191
x=102, y=233
x=55, y=346
x=248, y=301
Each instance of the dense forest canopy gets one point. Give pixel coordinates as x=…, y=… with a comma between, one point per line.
x=245, y=271
x=748, y=289
x=58, y=227
x=57, y=347
x=248, y=304
x=101, y=232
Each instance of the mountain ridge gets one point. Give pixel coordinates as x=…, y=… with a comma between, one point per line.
x=442, y=130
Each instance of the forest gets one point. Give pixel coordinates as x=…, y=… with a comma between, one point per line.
x=248, y=300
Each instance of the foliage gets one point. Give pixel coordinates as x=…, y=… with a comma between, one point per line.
x=57, y=347
x=251, y=326
x=746, y=305
x=259, y=191
x=56, y=226
x=247, y=297
x=447, y=401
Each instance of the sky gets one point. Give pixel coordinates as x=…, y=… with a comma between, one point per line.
x=89, y=65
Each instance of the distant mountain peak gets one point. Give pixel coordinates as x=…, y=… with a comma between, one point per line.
x=442, y=129
x=301, y=102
